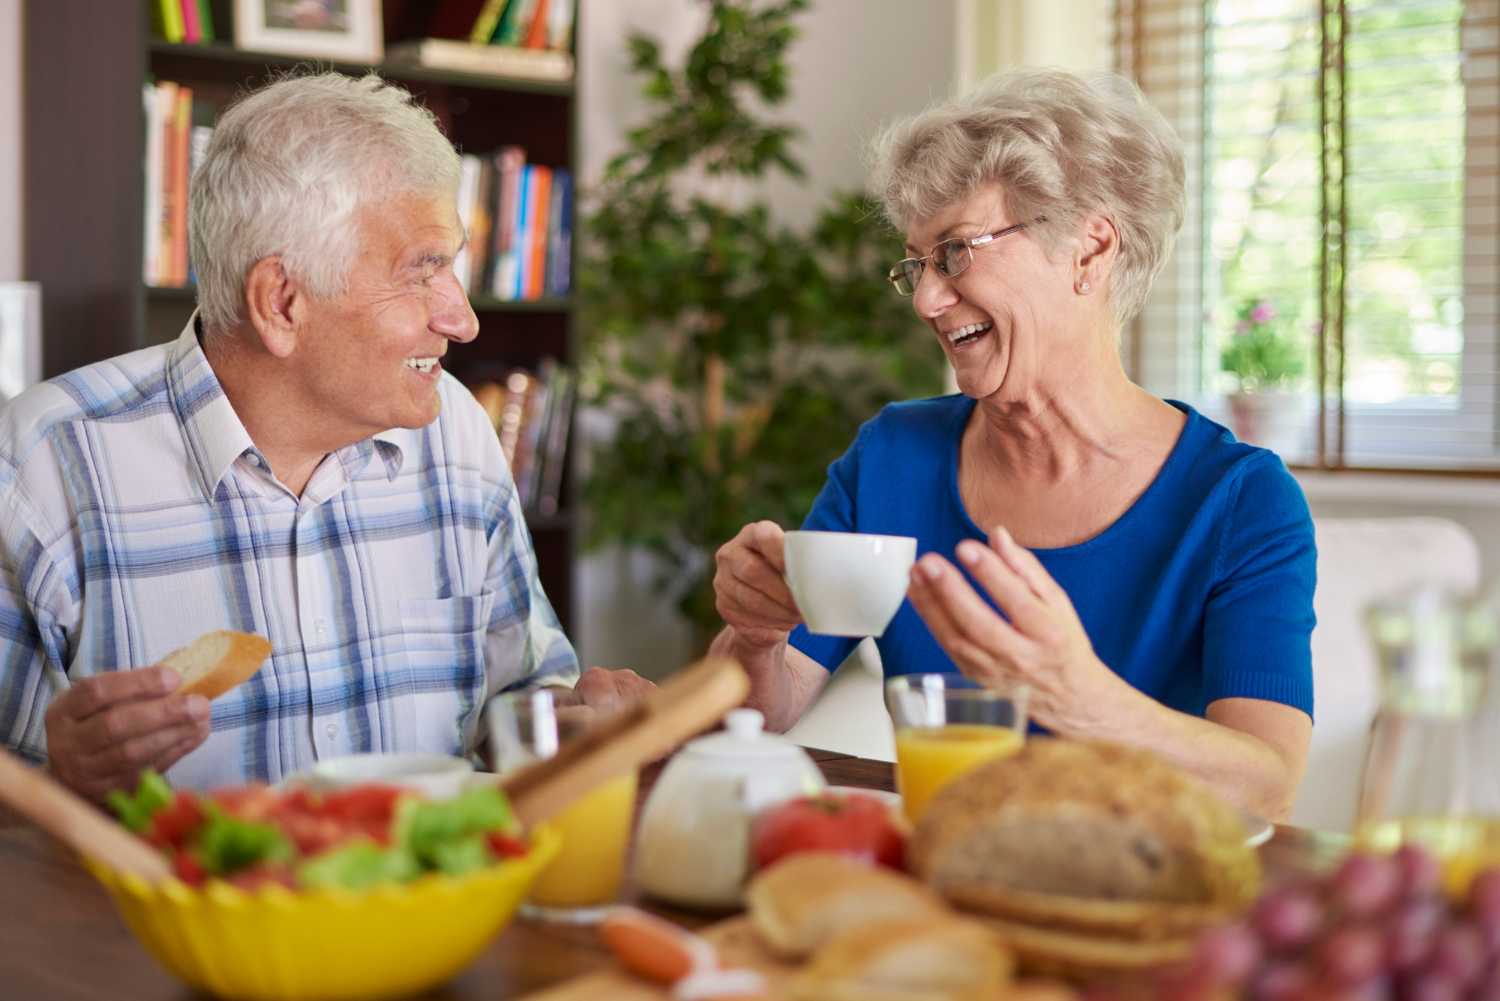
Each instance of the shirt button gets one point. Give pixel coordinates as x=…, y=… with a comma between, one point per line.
x=321, y=625
x=253, y=459
x=333, y=730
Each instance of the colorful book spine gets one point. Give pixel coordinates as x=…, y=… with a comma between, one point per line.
x=170, y=15
x=510, y=171
x=484, y=222
x=536, y=233
x=182, y=128
x=560, y=234
x=206, y=22
x=192, y=28
x=560, y=24
x=516, y=24
x=166, y=109
x=487, y=22
x=536, y=32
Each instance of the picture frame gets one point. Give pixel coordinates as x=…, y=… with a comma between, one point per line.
x=342, y=30
x=20, y=337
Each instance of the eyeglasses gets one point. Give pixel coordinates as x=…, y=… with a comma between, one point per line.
x=951, y=257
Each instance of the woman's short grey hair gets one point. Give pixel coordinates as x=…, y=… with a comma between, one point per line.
x=286, y=172
x=1061, y=146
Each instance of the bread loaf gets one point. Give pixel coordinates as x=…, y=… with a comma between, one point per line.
x=805, y=899
x=217, y=662
x=1085, y=836
x=908, y=959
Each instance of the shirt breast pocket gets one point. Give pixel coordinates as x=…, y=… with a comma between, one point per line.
x=444, y=641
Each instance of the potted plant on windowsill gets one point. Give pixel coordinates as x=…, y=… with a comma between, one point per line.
x=1265, y=364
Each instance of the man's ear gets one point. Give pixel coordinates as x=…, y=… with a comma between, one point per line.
x=1098, y=249
x=274, y=301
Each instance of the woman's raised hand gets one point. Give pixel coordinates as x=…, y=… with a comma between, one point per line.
x=750, y=585
x=1044, y=644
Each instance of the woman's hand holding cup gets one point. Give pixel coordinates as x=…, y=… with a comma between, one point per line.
x=750, y=585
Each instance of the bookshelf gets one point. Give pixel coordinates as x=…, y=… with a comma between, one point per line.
x=84, y=65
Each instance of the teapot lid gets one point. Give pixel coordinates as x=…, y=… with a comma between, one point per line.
x=744, y=737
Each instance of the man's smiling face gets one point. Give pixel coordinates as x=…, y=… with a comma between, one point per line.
x=370, y=359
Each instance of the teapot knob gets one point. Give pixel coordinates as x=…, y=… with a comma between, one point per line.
x=744, y=724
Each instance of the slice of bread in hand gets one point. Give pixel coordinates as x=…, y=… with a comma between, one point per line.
x=908, y=959
x=805, y=899
x=217, y=662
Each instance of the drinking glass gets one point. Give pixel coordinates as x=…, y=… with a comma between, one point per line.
x=584, y=879
x=946, y=725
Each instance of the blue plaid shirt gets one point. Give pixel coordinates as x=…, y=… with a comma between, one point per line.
x=398, y=591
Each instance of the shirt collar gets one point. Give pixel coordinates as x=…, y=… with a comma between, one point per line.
x=213, y=432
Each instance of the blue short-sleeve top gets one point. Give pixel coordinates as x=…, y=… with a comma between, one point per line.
x=1201, y=590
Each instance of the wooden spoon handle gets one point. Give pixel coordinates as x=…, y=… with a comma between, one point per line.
x=70, y=819
x=689, y=702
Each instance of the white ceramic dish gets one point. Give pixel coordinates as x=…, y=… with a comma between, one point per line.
x=437, y=776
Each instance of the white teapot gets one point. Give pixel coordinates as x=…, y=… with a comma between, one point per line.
x=693, y=847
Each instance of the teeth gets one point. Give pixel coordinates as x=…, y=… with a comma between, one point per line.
x=973, y=328
x=423, y=365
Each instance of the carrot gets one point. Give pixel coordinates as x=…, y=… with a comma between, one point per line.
x=654, y=948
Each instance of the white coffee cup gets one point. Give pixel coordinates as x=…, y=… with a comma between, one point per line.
x=846, y=583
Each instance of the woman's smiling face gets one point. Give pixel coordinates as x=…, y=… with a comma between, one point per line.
x=1004, y=321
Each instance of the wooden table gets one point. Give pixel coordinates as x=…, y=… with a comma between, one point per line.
x=62, y=940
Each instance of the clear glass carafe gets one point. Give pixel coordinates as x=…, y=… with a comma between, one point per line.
x=1431, y=774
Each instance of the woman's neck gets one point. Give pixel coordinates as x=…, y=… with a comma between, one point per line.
x=1077, y=421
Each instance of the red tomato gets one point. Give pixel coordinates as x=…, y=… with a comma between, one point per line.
x=368, y=808
x=255, y=802
x=171, y=825
x=505, y=846
x=264, y=874
x=859, y=826
x=188, y=869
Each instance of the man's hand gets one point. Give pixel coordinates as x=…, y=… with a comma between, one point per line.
x=106, y=728
x=606, y=692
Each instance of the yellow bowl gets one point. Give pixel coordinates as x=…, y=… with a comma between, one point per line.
x=325, y=945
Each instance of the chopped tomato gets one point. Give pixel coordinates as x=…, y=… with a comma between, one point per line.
x=188, y=869
x=255, y=802
x=368, y=808
x=171, y=825
x=312, y=833
x=505, y=846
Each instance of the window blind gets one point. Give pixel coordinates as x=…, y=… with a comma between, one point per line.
x=1343, y=167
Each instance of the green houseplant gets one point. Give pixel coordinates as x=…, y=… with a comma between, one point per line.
x=735, y=357
x=1265, y=363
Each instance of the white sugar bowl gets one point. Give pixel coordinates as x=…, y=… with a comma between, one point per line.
x=693, y=847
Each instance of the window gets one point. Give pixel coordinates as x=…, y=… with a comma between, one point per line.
x=1341, y=254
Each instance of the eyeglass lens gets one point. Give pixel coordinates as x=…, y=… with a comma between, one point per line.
x=950, y=257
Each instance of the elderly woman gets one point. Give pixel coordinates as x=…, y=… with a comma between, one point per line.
x=1149, y=577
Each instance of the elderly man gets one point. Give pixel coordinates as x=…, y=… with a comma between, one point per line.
x=296, y=464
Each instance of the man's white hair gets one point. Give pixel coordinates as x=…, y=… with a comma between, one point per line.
x=286, y=172
x=1061, y=146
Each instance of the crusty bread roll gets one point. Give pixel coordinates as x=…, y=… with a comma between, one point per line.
x=217, y=662
x=1080, y=956
x=922, y=958
x=1050, y=834
x=805, y=899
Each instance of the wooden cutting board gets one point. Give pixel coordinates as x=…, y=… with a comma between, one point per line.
x=737, y=945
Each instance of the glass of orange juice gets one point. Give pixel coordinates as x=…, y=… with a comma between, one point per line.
x=946, y=724
x=584, y=879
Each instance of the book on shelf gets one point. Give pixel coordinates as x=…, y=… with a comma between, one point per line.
x=532, y=414
x=524, y=39
x=190, y=22
x=542, y=65
x=178, y=129
x=519, y=220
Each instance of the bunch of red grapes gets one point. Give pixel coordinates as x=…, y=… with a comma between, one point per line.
x=1377, y=929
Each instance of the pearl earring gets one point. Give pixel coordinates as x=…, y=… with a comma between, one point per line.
x=1084, y=287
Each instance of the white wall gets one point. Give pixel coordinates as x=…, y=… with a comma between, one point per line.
x=857, y=63
x=10, y=140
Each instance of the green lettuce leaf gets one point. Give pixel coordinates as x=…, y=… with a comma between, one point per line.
x=151, y=794
x=359, y=865
x=225, y=845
